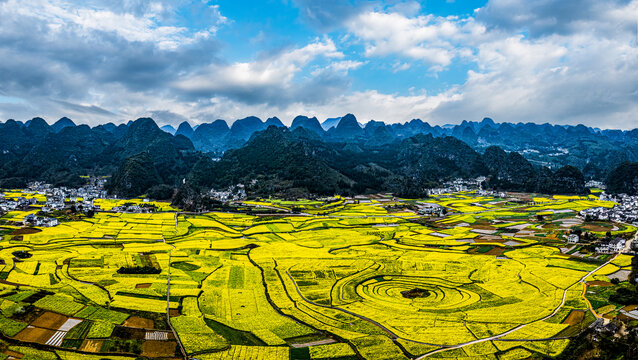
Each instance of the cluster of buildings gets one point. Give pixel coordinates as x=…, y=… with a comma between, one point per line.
x=34, y=220
x=86, y=192
x=10, y=204
x=610, y=246
x=133, y=208
x=459, y=185
x=430, y=209
x=232, y=193
x=604, y=246
x=626, y=211
x=56, y=198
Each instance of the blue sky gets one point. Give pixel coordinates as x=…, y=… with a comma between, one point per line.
x=444, y=61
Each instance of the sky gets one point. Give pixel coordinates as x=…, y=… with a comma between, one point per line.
x=443, y=61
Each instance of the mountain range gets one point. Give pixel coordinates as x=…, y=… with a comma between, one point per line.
x=310, y=157
x=596, y=152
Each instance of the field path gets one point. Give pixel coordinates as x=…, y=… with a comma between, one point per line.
x=496, y=337
x=168, y=295
x=385, y=329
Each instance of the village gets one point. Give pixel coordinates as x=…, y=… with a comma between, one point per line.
x=45, y=203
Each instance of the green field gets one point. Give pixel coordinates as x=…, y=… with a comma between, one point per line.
x=338, y=280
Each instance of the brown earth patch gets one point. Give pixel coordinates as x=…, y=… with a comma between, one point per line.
x=415, y=293
x=143, y=286
x=599, y=283
x=35, y=334
x=592, y=227
x=174, y=312
x=124, y=332
x=483, y=227
x=153, y=348
x=630, y=307
x=497, y=251
x=12, y=354
x=50, y=320
x=574, y=317
x=25, y=231
x=139, y=322
x=91, y=345
x=624, y=318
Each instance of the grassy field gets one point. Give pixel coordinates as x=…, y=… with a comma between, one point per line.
x=331, y=279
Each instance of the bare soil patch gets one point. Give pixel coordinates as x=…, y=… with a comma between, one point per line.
x=139, y=322
x=35, y=334
x=592, y=227
x=25, y=231
x=50, y=320
x=12, y=354
x=574, y=317
x=415, y=293
x=91, y=345
x=152, y=348
x=483, y=227
x=599, y=283
x=143, y=286
x=497, y=251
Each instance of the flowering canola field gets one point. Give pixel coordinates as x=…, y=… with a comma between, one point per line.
x=341, y=279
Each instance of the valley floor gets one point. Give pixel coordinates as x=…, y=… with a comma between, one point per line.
x=342, y=278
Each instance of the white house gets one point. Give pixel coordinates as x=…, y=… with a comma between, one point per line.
x=573, y=238
x=612, y=246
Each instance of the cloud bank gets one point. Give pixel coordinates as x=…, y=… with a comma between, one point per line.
x=513, y=60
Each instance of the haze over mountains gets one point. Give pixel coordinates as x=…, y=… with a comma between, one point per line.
x=310, y=157
x=592, y=150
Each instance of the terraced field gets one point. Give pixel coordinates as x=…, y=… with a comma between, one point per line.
x=342, y=279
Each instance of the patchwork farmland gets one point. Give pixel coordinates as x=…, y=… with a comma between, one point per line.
x=335, y=279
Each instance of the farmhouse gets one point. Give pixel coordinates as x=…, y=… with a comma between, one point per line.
x=610, y=246
x=573, y=238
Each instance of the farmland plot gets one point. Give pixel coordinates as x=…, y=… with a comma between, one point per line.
x=343, y=280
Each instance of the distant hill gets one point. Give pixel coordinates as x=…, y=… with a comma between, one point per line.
x=593, y=151
x=61, y=124
x=185, y=129
x=311, y=124
x=330, y=123
x=306, y=159
x=135, y=176
x=623, y=179
x=211, y=137
x=36, y=152
x=169, y=129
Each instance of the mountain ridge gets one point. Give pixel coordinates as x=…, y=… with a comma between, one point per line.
x=361, y=156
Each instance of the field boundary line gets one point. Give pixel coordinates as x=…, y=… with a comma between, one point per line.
x=497, y=337
x=168, y=295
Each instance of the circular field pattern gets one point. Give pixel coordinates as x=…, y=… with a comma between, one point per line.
x=417, y=293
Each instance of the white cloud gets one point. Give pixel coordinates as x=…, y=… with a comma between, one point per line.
x=366, y=105
x=344, y=66
x=62, y=16
x=432, y=39
x=263, y=79
x=400, y=66
x=543, y=61
x=558, y=79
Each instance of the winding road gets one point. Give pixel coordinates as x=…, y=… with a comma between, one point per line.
x=443, y=348
x=168, y=295
x=497, y=337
